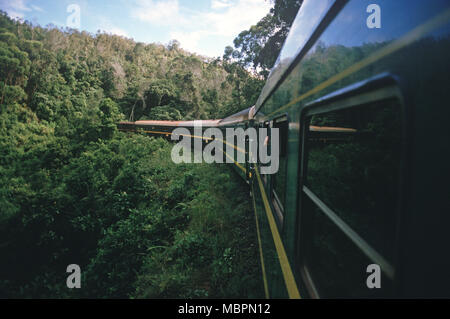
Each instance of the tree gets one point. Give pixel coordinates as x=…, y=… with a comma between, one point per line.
x=259, y=47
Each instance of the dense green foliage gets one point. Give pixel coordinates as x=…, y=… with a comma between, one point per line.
x=138, y=225
x=75, y=190
x=53, y=70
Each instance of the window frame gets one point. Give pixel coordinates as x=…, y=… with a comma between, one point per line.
x=380, y=88
x=275, y=201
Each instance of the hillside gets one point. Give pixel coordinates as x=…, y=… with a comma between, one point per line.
x=74, y=190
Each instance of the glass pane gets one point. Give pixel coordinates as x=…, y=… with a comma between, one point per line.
x=337, y=267
x=353, y=164
x=279, y=179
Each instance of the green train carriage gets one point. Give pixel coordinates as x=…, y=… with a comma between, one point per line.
x=377, y=195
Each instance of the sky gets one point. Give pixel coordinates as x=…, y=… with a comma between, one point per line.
x=205, y=27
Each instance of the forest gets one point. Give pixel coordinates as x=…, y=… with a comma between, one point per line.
x=73, y=189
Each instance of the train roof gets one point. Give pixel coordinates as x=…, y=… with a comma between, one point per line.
x=235, y=118
x=210, y=123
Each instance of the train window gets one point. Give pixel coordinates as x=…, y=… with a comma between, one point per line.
x=337, y=266
x=266, y=177
x=350, y=195
x=279, y=178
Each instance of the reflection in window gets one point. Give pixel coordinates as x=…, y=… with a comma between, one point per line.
x=279, y=179
x=337, y=266
x=353, y=164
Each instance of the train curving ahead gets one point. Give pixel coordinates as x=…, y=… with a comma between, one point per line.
x=360, y=204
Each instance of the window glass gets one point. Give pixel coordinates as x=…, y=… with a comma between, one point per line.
x=353, y=163
x=337, y=267
x=279, y=179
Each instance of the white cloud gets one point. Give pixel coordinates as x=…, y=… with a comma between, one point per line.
x=220, y=4
x=36, y=8
x=14, y=8
x=17, y=9
x=188, y=40
x=107, y=26
x=226, y=19
x=118, y=31
x=235, y=17
x=157, y=12
x=239, y=16
x=14, y=14
x=227, y=23
x=19, y=5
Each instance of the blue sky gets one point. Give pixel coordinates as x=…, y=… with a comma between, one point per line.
x=201, y=26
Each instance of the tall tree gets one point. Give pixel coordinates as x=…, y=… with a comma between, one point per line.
x=258, y=47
